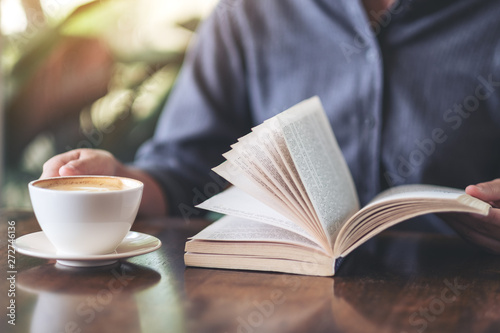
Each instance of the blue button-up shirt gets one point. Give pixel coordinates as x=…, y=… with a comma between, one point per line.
x=412, y=94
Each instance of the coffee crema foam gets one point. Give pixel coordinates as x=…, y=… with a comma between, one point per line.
x=84, y=184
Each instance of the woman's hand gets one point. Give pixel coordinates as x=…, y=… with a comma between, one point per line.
x=483, y=231
x=80, y=162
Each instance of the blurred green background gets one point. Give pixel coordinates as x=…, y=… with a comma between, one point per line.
x=85, y=74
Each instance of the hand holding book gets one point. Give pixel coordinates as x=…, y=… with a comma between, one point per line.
x=483, y=231
x=294, y=207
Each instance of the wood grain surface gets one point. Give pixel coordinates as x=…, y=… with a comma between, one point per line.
x=398, y=282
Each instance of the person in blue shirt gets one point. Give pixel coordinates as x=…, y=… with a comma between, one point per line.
x=411, y=89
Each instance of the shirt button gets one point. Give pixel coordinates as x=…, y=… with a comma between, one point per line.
x=369, y=122
x=371, y=55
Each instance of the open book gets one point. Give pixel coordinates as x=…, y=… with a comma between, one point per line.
x=294, y=208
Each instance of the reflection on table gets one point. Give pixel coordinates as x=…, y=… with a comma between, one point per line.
x=397, y=282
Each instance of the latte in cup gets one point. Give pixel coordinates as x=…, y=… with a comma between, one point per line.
x=85, y=215
x=87, y=184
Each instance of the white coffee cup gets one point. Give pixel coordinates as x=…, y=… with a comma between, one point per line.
x=85, y=215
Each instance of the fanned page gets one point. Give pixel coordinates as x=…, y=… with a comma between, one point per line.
x=401, y=203
x=292, y=163
x=237, y=203
x=275, y=144
x=261, y=164
x=320, y=164
x=242, y=181
x=266, y=146
x=255, y=164
x=236, y=229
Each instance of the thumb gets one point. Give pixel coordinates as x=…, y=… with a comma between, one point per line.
x=87, y=162
x=81, y=162
x=73, y=168
x=488, y=191
x=55, y=165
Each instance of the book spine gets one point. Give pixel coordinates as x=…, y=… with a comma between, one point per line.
x=338, y=261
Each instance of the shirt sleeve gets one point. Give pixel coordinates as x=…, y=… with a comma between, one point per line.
x=206, y=112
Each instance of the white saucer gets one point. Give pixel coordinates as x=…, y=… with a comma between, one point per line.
x=134, y=244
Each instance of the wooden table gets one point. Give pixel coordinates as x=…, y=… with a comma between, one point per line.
x=398, y=282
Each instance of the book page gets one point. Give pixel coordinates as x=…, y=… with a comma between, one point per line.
x=320, y=164
x=236, y=229
x=234, y=175
x=263, y=159
x=237, y=203
x=279, y=155
x=253, y=162
x=417, y=191
x=402, y=203
x=257, y=152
